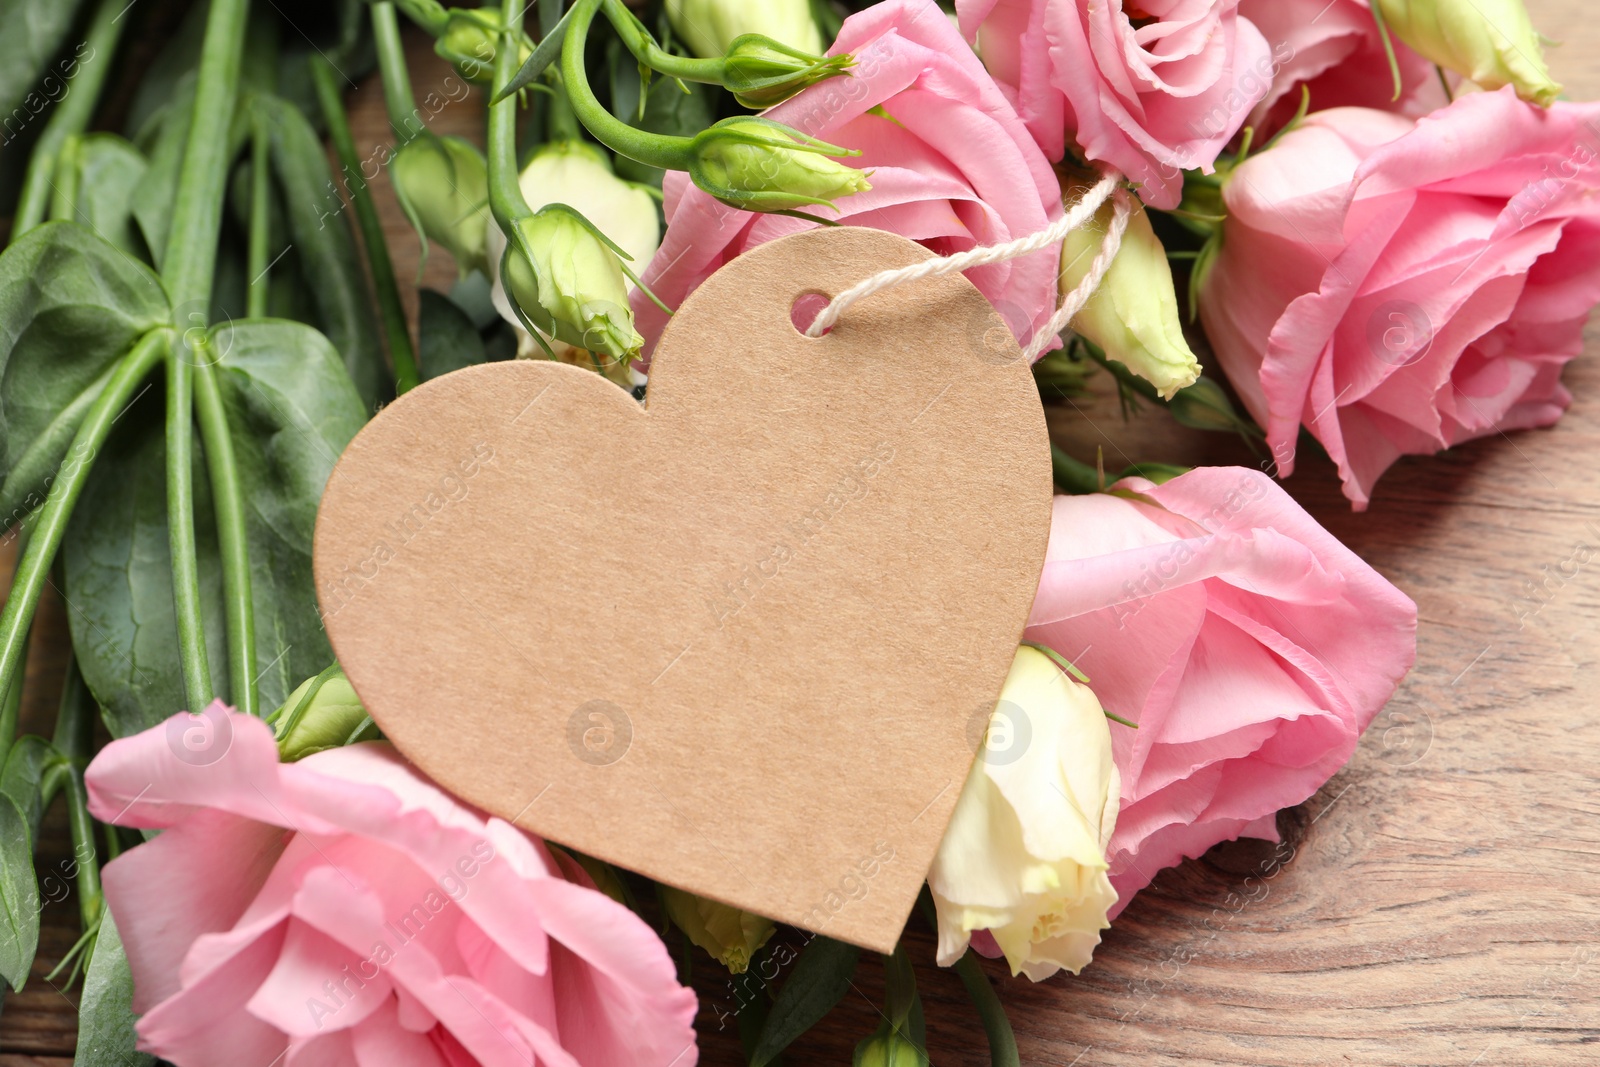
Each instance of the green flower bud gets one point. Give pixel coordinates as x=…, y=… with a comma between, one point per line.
x=568, y=283
x=1492, y=42
x=888, y=1048
x=468, y=41
x=731, y=936
x=759, y=165
x=709, y=27
x=1133, y=315
x=443, y=186
x=762, y=72
x=323, y=713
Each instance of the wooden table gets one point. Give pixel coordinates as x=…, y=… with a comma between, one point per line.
x=1440, y=903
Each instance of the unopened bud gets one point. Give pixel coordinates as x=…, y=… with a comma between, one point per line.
x=709, y=27
x=569, y=284
x=1492, y=42
x=758, y=165
x=731, y=936
x=443, y=186
x=762, y=72
x=1133, y=315
x=322, y=713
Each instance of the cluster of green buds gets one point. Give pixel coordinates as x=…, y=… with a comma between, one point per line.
x=442, y=184
x=759, y=165
x=749, y=163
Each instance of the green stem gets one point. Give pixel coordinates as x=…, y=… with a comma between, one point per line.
x=73, y=735
x=644, y=48
x=260, y=220
x=403, y=116
x=506, y=201
x=401, y=354
x=180, y=516
x=69, y=172
x=1388, y=48
x=72, y=116
x=13, y=701
x=561, y=122
x=1002, y=1042
x=85, y=859
x=34, y=565
x=197, y=207
x=1077, y=479
x=666, y=153
x=232, y=538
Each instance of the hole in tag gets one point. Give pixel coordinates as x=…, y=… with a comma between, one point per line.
x=807, y=306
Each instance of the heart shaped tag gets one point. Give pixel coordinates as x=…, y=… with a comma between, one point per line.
x=743, y=639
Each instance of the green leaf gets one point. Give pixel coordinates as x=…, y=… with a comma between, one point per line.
x=547, y=52
x=157, y=190
x=105, y=1016
x=110, y=169
x=70, y=305
x=325, y=247
x=19, y=896
x=24, y=770
x=449, y=340
x=31, y=74
x=820, y=980
x=292, y=409
x=117, y=562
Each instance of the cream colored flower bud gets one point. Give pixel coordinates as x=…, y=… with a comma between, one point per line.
x=708, y=27
x=1133, y=316
x=1024, y=854
x=733, y=937
x=1492, y=42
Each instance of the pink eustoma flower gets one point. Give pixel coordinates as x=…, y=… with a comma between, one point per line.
x=1398, y=287
x=1247, y=643
x=1152, y=89
x=345, y=910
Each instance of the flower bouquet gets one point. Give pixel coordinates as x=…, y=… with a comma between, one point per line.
x=1368, y=228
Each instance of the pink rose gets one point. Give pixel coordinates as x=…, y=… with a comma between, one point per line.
x=1334, y=50
x=952, y=166
x=345, y=910
x=1251, y=647
x=1153, y=89
x=1399, y=287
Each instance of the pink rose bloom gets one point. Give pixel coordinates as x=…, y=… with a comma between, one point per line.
x=1152, y=89
x=951, y=164
x=1334, y=50
x=1251, y=647
x=344, y=910
x=1399, y=287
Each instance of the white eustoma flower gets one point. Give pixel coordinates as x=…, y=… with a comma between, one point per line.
x=1024, y=854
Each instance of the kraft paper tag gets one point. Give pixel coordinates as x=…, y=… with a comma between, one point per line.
x=742, y=639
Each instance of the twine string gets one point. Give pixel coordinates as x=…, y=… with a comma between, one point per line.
x=1107, y=188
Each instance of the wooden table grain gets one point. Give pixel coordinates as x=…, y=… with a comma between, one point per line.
x=1438, y=902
